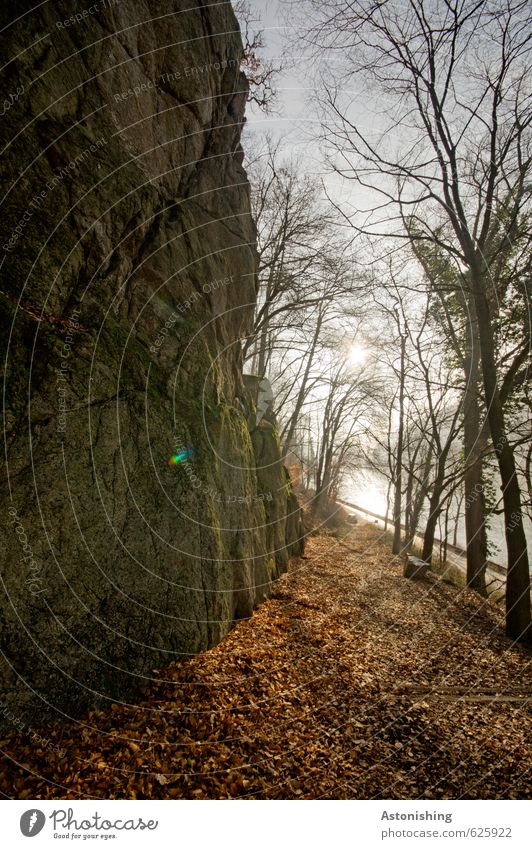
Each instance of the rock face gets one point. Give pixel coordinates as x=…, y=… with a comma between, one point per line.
x=141, y=516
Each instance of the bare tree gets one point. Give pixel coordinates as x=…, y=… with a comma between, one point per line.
x=427, y=406
x=453, y=150
x=346, y=404
x=454, y=314
x=261, y=72
x=294, y=243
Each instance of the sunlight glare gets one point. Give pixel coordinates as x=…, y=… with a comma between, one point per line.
x=374, y=500
x=357, y=355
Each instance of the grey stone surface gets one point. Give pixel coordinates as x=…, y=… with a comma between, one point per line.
x=124, y=294
x=415, y=567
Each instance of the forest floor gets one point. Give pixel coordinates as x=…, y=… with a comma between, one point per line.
x=350, y=682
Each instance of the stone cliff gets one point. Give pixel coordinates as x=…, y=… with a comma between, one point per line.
x=144, y=511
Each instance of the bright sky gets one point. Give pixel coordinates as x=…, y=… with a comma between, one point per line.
x=296, y=117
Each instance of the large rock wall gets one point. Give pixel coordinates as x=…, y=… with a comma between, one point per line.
x=127, y=280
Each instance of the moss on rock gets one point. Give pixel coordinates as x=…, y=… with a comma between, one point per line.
x=129, y=561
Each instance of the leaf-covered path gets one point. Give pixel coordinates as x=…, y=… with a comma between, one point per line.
x=351, y=682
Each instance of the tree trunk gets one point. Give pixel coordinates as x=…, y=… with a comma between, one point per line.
x=263, y=335
x=294, y=418
x=474, y=504
x=457, y=519
x=387, y=513
x=518, y=576
x=443, y=549
x=435, y=506
x=418, y=499
x=432, y=521
x=396, y=546
x=322, y=494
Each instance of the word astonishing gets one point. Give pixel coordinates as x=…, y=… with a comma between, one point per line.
x=63, y=371
x=206, y=289
x=85, y=13
x=37, y=200
x=65, y=819
x=417, y=815
x=34, y=579
x=172, y=76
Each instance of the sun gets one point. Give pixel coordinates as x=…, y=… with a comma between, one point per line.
x=357, y=355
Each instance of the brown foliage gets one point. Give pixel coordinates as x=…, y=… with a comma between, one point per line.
x=349, y=683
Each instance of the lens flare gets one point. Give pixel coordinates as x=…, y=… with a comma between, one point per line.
x=357, y=355
x=176, y=459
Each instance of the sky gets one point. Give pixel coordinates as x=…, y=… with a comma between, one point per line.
x=295, y=118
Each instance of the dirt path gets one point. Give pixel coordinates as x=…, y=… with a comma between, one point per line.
x=455, y=558
x=351, y=682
